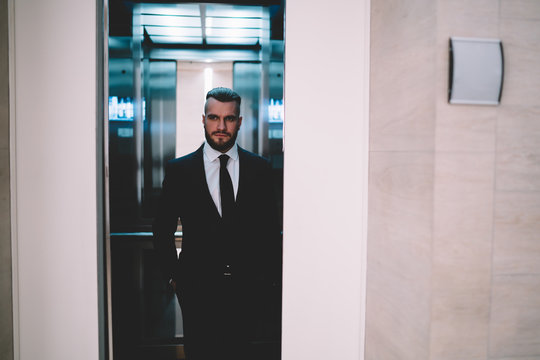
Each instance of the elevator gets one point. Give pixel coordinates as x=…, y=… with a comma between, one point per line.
x=162, y=59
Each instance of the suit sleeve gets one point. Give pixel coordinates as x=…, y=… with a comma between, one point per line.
x=165, y=224
x=273, y=228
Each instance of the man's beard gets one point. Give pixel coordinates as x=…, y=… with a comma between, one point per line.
x=224, y=147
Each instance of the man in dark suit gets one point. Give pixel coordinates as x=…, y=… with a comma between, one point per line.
x=230, y=260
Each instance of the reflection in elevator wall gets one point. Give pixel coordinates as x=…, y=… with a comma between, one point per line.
x=159, y=130
x=158, y=140
x=140, y=318
x=247, y=80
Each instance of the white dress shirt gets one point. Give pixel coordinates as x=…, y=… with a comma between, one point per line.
x=211, y=169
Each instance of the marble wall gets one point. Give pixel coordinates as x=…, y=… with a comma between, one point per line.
x=454, y=190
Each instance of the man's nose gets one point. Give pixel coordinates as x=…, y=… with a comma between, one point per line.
x=221, y=124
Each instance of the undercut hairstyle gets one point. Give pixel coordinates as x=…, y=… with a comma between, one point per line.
x=224, y=94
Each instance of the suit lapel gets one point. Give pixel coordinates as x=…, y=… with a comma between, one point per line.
x=244, y=176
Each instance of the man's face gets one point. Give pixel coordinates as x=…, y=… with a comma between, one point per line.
x=221, y=124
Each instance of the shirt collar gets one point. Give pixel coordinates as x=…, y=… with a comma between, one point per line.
x=212, y=154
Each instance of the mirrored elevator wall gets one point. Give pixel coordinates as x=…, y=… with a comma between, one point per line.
x=139, y=145
x=142, y=128
x=156, y=102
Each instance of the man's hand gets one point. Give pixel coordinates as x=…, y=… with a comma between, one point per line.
x=172, y=284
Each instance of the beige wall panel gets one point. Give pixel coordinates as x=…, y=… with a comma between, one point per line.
x=401, y=118
x=517, y=234
x=461, y=275
x=515, y=317
x=521, y=42
x=402, y=75
x=518, y=150
x=478, y=152
x=464, y=128
x=520, y=9
x=468, y=18
x=399, y=27
x=518, y=129
x=399, y=256
x=518, y=171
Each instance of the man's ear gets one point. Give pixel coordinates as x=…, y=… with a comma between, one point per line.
x=203, y=118
x=239, y=121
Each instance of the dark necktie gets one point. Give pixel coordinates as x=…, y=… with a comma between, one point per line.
x=226, y=188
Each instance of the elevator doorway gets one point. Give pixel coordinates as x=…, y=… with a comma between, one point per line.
x=157, y=80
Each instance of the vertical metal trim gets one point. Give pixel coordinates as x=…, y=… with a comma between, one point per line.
x=138, y=128
x=264, y=57
x=104, y=235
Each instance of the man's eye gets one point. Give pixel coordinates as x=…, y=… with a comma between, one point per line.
x=230, y=118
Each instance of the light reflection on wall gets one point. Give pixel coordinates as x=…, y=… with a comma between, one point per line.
x=122, y=108
x=275, y=110
x=275, y=118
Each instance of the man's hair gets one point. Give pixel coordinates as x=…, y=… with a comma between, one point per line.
x=224, y=94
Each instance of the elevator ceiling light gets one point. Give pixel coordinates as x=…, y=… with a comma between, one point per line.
x=234, y=11
x=232, y=40
x=170, y=20
x=233, y=33
x=173, y=31
x=176, y=39
x=213, y=24
x=171, y=9
x=234, y=22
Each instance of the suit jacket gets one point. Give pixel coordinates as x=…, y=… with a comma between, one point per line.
x=251, y=245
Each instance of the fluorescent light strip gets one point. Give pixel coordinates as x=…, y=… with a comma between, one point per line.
x=220, y=22
x=238, y=33
x=177, y=9
x=173, y=31
x=232, y=41
x=165, y=20
x=176, y=39
x=221, y=10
